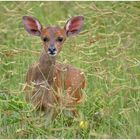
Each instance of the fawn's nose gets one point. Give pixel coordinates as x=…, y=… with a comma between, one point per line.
x=52, y=50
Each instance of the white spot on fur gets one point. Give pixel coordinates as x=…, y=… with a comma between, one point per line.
x=82, y=73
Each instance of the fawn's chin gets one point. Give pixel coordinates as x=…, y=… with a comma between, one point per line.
x=52, y=55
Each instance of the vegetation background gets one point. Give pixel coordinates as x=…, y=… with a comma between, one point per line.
x=107, y=50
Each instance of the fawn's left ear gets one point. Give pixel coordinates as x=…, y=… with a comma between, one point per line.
x=74, y=25
x=32, y=25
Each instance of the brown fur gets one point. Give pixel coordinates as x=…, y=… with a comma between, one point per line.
x=54, y=86
x=50, y=85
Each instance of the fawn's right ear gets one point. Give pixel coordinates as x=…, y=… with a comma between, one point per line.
x=74, y=25
x=32, y=25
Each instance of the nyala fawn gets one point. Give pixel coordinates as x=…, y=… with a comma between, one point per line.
x=52, y=86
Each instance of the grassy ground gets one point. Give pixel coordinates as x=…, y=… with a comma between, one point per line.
x=108, y=50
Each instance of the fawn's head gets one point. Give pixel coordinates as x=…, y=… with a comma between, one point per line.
x=53, y=36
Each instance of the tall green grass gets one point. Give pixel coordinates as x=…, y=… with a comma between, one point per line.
x=107, y=50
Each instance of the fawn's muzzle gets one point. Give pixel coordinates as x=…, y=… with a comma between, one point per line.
x=52, y=51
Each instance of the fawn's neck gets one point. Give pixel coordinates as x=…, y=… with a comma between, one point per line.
x=46, y=65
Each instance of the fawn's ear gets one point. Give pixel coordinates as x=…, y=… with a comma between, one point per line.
x=32, y=25
x=74, y=25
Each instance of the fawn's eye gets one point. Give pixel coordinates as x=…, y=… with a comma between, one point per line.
x=60, y=39
x=46, y=39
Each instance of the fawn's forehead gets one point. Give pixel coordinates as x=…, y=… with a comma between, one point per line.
x=53, y=31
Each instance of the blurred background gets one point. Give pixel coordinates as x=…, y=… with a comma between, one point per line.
x=107, y=50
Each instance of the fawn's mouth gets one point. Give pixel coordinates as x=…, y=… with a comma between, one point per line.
x=52, y=53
